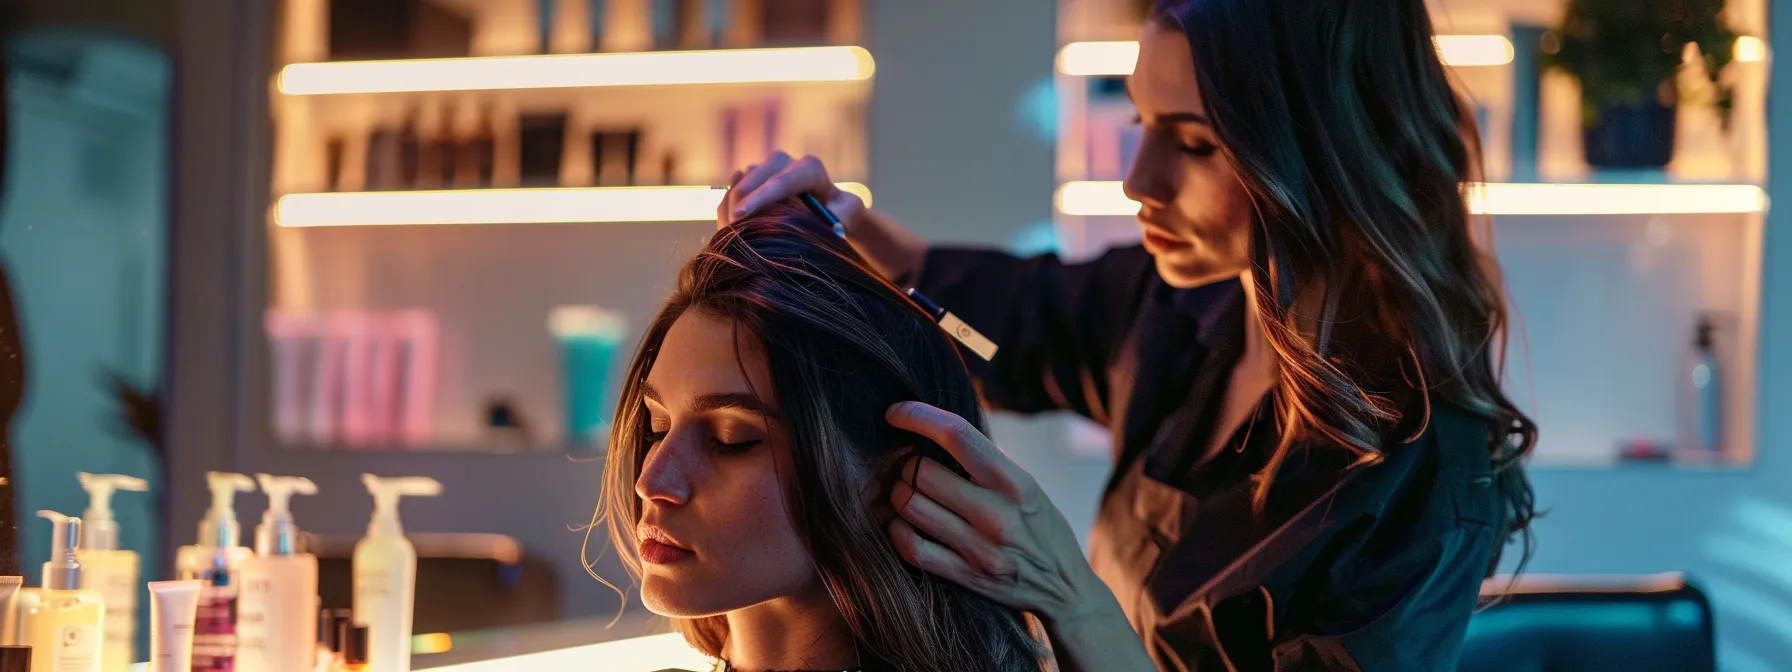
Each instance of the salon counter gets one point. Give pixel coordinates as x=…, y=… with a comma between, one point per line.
x=637, y=642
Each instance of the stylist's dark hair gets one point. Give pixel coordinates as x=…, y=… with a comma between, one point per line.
x=1356, y=150
x=842, y=345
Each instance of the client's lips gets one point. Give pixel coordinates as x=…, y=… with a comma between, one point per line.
x=1158, y=239
x=659, y=548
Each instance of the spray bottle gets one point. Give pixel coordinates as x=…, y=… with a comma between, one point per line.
x=64, y=626
x=277, y=621
x=110, y=570
x=216, y=562
x=385, y=568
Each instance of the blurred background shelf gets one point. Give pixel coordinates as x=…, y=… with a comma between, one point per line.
x=564, y=205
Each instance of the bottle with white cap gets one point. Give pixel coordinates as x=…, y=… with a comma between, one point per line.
x=109, y=569
x=277, y=614
x=65, y=624
x=216, y=561
x=385, y=569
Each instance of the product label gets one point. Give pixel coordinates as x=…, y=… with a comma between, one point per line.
x=77, y=649
x=214, y=630
x=119, y=590
x=276, y=622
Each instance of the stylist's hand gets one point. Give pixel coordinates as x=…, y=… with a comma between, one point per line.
x=782, y=177
x=997, y=533
x=892, y=248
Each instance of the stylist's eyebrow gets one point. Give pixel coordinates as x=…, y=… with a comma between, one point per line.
x=716, y=402
x=1171, y=117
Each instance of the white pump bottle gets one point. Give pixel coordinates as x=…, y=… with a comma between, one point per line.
x=277, y=612
x=111, y=571
x=386, y=573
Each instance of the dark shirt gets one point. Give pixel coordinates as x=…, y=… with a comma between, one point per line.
x=1352, y=562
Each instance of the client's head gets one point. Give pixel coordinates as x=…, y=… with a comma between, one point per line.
x=750, y=457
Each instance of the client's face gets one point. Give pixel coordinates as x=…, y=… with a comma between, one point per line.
x=715, y=533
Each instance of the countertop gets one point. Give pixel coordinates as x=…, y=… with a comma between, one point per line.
x=637, y=641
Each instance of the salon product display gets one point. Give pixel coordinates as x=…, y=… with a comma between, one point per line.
x=351, y=378
x=111, y=571
x=385, y=572
x=277, y=607
x=62, y=622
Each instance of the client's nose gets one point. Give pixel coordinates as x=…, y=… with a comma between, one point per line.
x=665, y=473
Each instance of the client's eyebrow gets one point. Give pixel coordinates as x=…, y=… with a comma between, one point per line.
x=718, y=401
x=1172, y=117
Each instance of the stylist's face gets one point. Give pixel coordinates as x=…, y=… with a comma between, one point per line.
x=1194, y=211
x=716, y=535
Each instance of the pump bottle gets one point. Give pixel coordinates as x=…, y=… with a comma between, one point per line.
x=385, y=573
x=277, y=615
x=216, y=561
x=108, y=569
x=65, y=624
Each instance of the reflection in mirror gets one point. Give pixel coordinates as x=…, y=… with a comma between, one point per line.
x=83, y=242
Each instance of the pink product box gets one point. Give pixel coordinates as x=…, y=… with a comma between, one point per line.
x=351, y=378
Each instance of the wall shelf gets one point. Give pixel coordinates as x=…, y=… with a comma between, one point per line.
x=1106, y=198
x=1115, y=58
x=652, y=68
x=508, y=206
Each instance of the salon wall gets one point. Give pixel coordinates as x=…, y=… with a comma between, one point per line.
x=928, y=109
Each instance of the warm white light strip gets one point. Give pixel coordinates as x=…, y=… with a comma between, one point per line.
x=1474, y=50
x=1750, y=49
x=1615, y=199
x=1114, y=59
x=1107, y=199
x=733, y=66
x=507, y=206
x=1098, y=59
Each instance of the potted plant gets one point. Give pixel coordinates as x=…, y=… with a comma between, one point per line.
x=1626, y=54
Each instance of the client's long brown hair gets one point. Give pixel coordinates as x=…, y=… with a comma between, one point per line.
x=842, y=345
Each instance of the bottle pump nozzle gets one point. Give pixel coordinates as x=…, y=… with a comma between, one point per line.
x=278, y=534
x=63, y=571
x=386, y=492
x=100, y=530
x=219, y=528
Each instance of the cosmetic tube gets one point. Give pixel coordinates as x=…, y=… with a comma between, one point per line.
x=173, y=606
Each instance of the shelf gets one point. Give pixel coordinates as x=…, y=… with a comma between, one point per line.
x=1099, y=199
x=662, y=68
x=508, y=206
x=1115, y=59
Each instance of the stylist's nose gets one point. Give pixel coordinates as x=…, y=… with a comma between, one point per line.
x=665, y=475
x=1146, y=179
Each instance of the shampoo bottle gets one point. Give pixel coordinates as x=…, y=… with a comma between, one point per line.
x=277, y=614
x=385, y=573
x=108, y=569
x=216, y=562
x=65, y=627
x=1702, y=414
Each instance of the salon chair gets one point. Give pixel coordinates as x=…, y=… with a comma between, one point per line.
x=1591, y=624
x=464, y=581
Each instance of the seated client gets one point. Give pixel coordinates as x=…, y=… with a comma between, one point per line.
x=750, y=465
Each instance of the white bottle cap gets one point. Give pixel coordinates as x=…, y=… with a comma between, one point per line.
x=386, y=492
x=99, y=530
x=278, y=534
x=219, y=528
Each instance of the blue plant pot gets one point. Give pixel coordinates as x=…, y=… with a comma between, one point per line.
x=1630, y=136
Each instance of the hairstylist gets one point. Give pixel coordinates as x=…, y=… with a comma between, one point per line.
x=1314, y=465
